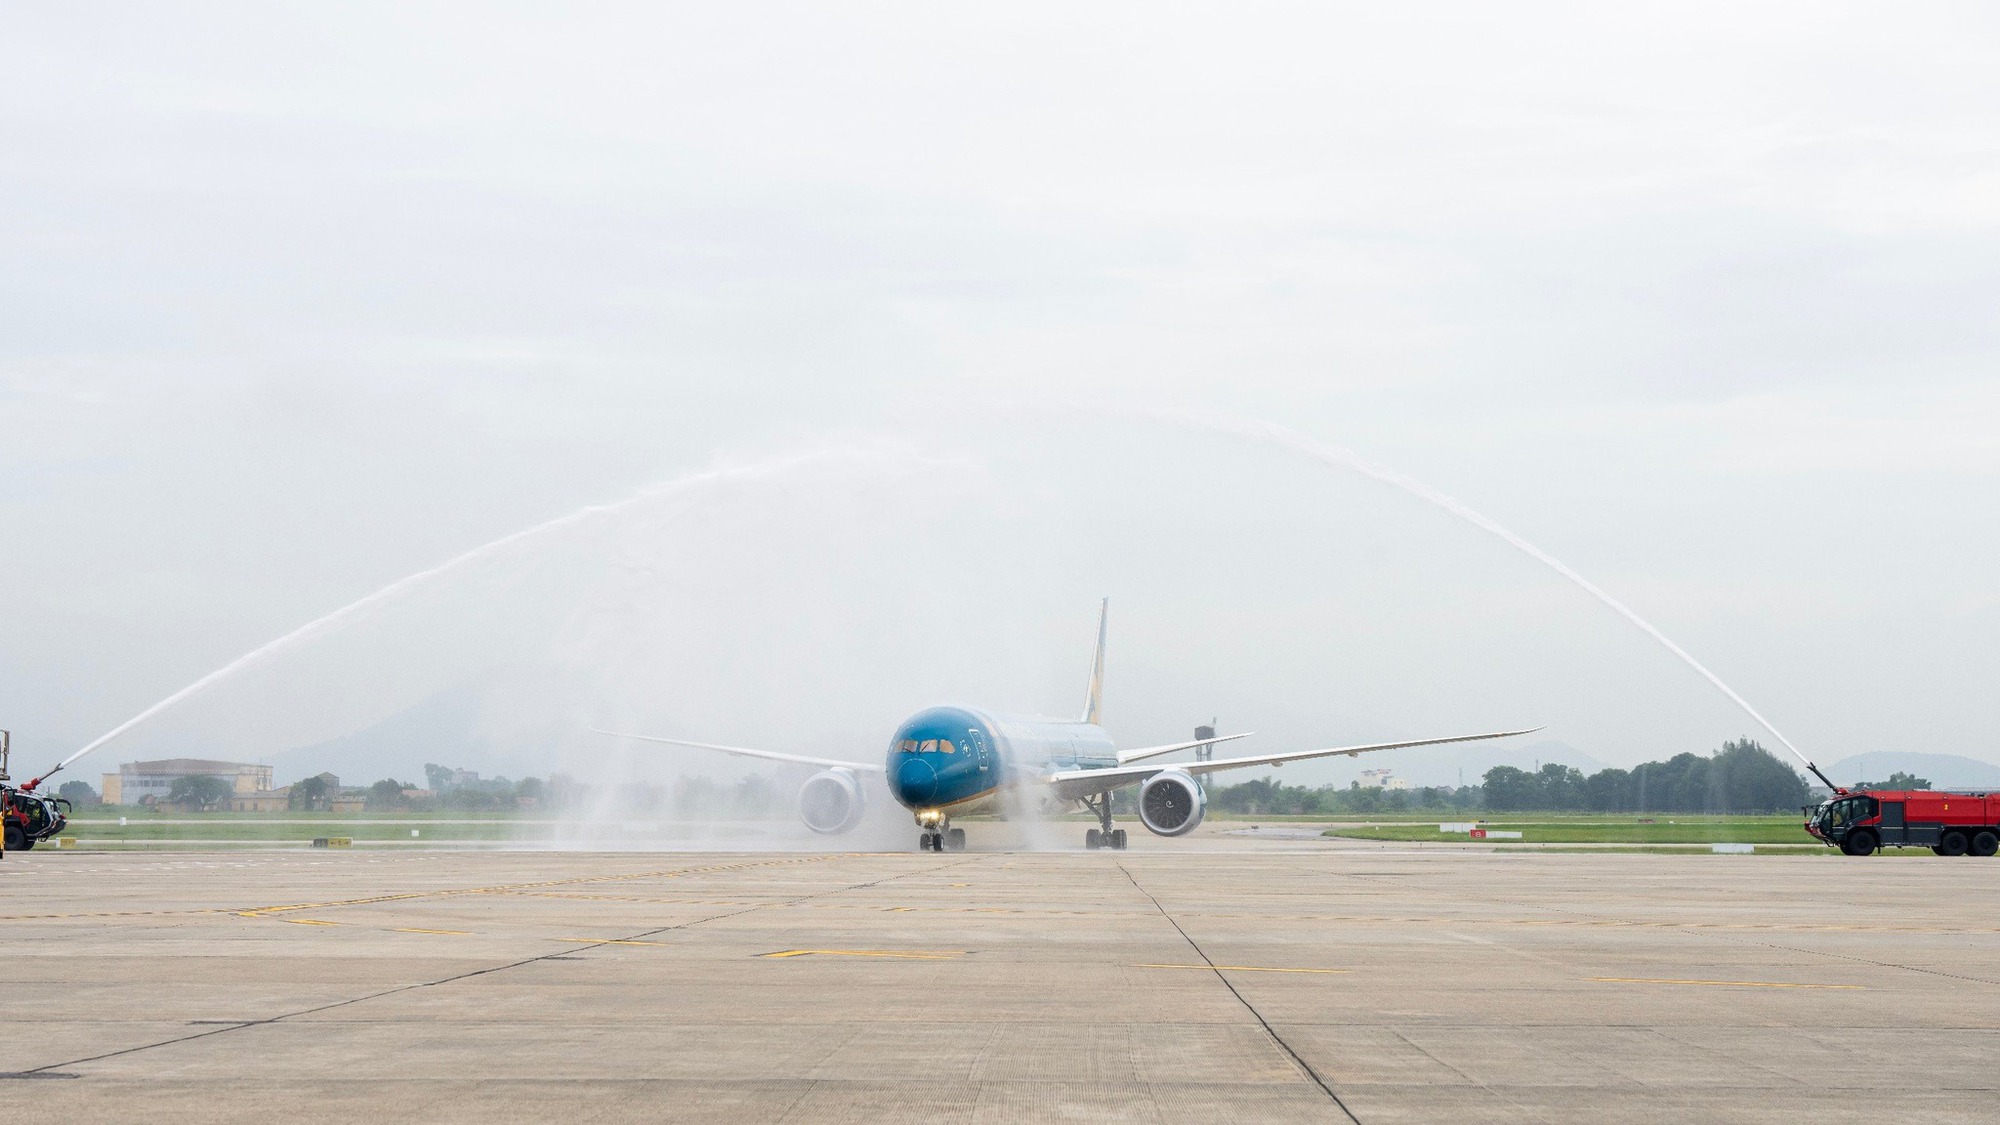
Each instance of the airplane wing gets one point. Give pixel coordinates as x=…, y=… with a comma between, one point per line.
x=1071, y=784
x=1125, y=756
x=745, y=752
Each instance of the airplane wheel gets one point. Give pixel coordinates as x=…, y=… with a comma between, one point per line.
x=1118, y=839
x=1952, y=844
x=1093, y=839
x=956, y=840
x=927, y=842
x=1986, y=843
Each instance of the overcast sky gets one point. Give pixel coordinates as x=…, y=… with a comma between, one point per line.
x=296, y=300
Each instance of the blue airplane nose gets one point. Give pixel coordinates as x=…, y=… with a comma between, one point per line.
x=916, y=781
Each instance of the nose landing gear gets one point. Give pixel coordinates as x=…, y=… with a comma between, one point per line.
x=1103, y=836
x=942, y=839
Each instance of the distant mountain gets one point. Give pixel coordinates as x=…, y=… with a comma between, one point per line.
x=1944, y=771
x=438, y=729
x=446, y=728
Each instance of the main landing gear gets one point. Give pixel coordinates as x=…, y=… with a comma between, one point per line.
x=1103, y=836
x=942, y=839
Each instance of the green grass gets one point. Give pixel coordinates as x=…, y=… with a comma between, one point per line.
x=1606, y=830
x=99, y=823
x=137, y=813
x=221, y=827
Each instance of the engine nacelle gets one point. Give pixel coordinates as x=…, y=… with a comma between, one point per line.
x=1172, y=803
x=830, y=801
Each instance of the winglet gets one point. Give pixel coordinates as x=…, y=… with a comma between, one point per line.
x=1093, y=701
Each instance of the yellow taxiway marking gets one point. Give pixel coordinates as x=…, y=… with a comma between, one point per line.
x=910, y=954
x=1244, y=968
x=608, y=941
x=1720, y=983
x=413, y=930
x=307, y=922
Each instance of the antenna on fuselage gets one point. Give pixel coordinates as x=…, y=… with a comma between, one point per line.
x=1093, y=701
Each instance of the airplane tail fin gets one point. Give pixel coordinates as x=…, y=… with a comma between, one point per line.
x=1093, y=701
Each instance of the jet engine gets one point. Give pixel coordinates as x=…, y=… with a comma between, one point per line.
x=830, y=801
x=1171, y=803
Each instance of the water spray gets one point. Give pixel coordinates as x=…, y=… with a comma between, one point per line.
x=403, y=586
x=1291, y=440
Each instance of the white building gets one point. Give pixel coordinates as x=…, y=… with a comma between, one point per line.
x=1383, y=779
x=135, y=782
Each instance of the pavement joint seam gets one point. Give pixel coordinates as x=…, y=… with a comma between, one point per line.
x=1247, y=1005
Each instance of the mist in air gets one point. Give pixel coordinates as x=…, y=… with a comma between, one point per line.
x=806, y=599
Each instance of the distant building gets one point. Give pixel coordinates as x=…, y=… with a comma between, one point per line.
x=1383, y=779
x=279, y=800
x=145, y=783
x=264, y=800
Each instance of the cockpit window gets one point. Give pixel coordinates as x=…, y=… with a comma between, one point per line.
x=945, y=746
x=929, y=746
x=909, y=746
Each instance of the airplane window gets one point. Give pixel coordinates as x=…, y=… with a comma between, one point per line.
x=930, y=746
x=909, y=746
x=945, y=746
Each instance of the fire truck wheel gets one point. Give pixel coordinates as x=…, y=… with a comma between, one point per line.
x=1986, y=843
x=1952, y=843
x=15, y=838
x=1861, y=843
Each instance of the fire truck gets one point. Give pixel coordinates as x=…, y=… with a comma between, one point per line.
x=1946, y=823
x=27, y=816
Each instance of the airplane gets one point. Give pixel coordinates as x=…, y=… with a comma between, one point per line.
x=957, y=761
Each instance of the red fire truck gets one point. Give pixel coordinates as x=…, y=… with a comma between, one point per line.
x=1946, y=823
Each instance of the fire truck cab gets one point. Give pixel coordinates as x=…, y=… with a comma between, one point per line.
x=26, y=817
x=1947, y=823
x=29, y=818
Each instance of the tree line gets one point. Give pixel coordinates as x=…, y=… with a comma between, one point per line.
x=1742, y=777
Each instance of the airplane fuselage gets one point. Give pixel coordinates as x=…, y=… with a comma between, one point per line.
x=955, y=761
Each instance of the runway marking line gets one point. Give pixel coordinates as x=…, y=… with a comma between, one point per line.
x=904, y=954
x=414, y=930
x=1243, y=968
x=308, y=922
x=1724, y=983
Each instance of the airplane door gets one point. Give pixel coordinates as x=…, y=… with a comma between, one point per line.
x=979, y=749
